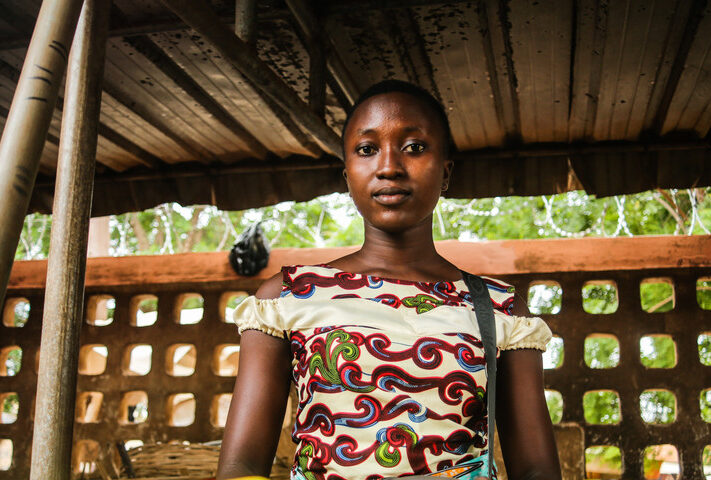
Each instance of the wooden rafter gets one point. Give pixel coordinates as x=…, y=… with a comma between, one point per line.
x=199, y=17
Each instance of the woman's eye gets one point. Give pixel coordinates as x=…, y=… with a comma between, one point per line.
x=365, y=150
x=414, y=148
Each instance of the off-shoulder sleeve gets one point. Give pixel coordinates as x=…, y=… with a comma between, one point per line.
x=259, y=314
x=523, y=332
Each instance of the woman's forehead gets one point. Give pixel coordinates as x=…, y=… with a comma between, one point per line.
x=391, y=110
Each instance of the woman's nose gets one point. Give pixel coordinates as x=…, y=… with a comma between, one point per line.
x=390, y=164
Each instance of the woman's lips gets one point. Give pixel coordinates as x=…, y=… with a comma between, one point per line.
x=390, y=199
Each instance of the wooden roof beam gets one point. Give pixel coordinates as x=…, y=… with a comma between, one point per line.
x=200, y=17
x=105, y=131
x=160, y=59
x=312, y=33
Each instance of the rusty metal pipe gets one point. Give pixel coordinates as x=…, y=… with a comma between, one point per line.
x=28, y=121
x=64, y=294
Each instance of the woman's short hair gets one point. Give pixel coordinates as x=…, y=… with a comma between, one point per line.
x=400, y=86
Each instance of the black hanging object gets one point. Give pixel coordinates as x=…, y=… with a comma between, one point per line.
x=250, y=253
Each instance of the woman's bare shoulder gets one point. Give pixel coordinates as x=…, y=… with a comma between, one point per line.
x=271, y=288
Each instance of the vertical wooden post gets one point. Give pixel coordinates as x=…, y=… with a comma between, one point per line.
x=28, y=121
x=64, y=294
x=246, y=20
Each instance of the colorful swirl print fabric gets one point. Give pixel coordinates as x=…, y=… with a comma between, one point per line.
x=390, y=373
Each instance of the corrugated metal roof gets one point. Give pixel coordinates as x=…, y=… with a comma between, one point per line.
x=529, y=87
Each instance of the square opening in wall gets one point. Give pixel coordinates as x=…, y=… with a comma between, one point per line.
x=180, y=408
x=705, y=405
x=657, y=351
x=603, y=461
x=5, y=454
x=601, y=407
x=600, y=297
x=85, y=454
x=143, y=310
x=225, y=360
x=218, y=409
x=92, y=359
x=10, y=361
x=133, y=407
x=554, y=400
x=137, y=360
x=88, y=407
x=661, y=462
x=703, y=292
x=554, y=354
x=704, y=343
x=657, y=406
x=545, y=297
x=100, y=310
x=228, y=303
x=16, y=312
x=9, y=407
x=180, y=359
x=657, y=295
x=601, y=350
x=189, y=308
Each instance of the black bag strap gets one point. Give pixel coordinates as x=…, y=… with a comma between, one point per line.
x=484, y=310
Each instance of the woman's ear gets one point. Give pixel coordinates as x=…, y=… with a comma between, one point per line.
x=345, y=175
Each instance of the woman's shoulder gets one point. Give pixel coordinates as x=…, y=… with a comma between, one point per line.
x=271, y=287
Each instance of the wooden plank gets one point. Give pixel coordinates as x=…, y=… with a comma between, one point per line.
x=591, y=30
x=688, y=110
x=231, y=90
x=204, y=21
x=503, y=257
x=541, y=38
x=157, y=56
x=464, y=69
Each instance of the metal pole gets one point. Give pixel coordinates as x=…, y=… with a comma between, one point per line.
x=28, y=121
x=64, y=294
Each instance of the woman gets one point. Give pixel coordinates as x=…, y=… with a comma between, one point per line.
x=382, y=343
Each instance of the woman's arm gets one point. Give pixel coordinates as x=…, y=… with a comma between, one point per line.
x=524, y=425
x=259, y=400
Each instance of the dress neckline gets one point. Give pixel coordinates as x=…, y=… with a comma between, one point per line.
x=397, y=280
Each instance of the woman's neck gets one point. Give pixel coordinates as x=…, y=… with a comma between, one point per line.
x=406, y=254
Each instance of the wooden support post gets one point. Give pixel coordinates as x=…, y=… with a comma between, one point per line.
x=199, y=16
x=64, y=294
x=28, y=121
x=306, y=19
x=246, y=21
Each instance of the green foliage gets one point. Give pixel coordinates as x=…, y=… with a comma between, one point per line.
x=600, y=298
x=601, y=407
x=545, y=298
x=656, y=297
x=657, y=351
x=11, y=405
x=703, y=293
x=609, y=456
x=658, y=406
x=13, y=362
x=705, y=404
x=554, y=400
x=704, y=342
x=22, y=314
x=602, y=351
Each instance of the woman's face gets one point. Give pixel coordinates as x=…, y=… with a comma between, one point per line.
x=394, y=161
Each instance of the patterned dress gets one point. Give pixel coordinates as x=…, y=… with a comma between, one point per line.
x=390, y=373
